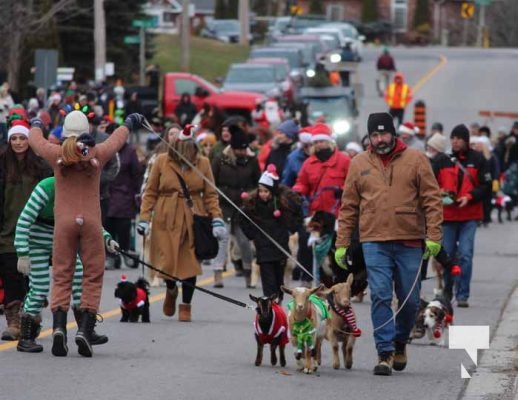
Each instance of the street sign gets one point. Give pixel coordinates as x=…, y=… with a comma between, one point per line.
x=132, y=39
x=145, y=23
x=467, y=10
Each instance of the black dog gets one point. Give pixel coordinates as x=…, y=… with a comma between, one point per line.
x=321, y=227
x=134, y=300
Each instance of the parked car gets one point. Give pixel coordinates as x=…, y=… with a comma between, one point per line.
x=294, y=57
x=320, y=45
x=224, y=30
x=336, y=106
x=249, y=77
x=352, y=36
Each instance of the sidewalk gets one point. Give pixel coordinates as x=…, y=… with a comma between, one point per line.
x=496, y=376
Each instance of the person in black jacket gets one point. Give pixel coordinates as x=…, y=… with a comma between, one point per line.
x=277, y=210
x=185, y=111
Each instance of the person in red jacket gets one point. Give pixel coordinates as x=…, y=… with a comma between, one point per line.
x=465, y=180
x=398, y=95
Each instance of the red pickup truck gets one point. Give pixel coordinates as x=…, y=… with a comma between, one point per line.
x=202, y=91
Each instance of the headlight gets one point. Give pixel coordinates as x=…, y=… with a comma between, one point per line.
x=310, y=73
x=335, y=58
x=341, y=127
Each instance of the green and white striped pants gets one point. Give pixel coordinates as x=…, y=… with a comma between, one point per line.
x=40, y=250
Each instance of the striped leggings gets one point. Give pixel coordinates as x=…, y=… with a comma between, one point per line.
x=40, y=250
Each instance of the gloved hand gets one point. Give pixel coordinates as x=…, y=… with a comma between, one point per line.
x=112, y=246
x=432, y=248
x=340, y=257
x=219, y=230
x=134, y=121
x=143, y=228
x=37, y=123
x=24, y=265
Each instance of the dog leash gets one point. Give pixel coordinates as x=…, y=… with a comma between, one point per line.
x=219, y=296
x=146, y=125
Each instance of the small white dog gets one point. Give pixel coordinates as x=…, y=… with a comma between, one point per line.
x=438, y=316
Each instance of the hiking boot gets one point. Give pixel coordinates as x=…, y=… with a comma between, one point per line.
x=169, y=307
x=84, y=333
x=385, y=361
x=27, y=344
x=12, y=315
x=400, y=358
x=95, y=338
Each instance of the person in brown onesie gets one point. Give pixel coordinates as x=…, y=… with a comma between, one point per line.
x=77, y=166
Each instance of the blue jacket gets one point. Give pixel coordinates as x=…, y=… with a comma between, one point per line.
x=292, y=167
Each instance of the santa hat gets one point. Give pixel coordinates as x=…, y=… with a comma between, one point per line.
x=269, y=178
x=187, y=133
x=76, y=123
x=354, y=147
x=408, y=128
x=18, y=130
x=321, y=131
x=305, y=134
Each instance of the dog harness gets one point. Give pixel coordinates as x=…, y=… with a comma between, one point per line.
x=138, y=301
x=277, y=328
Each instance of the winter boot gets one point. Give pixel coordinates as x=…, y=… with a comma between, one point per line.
x=12, y=315
x=59, y=333
x=184, y=313
x=218, y=278
x=169, y=307
x=95, y=339
x=84, y=333
x=27, y=344
x=385, y=362
x=400, y=358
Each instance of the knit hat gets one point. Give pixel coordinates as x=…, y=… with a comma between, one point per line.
x=18, y=130
x=305, y=134
x=290, y=128
x=381, y=122
x=269, y=178
x=408, y=128
x=187, y=133
x=75, y=124
x=321, y=132
x=239, y=138
x=354, y=147
x=437, y=142
x=437, y=126
x=460, y=131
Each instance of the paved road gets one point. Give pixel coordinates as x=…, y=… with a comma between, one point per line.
x=212, y=357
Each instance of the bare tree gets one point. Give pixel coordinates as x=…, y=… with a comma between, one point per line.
x=22, y=19
x=502, y=17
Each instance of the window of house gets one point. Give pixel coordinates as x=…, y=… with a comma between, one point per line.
x=400, y=15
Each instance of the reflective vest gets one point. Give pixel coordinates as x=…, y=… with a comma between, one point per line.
x=398, y=95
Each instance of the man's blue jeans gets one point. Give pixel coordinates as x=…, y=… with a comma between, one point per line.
x=392, y=266
x=458, y=240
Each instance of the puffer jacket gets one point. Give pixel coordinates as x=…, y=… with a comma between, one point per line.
x=398, y=202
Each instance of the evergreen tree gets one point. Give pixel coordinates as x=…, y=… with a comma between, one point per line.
x=422, y=13
x=369, y=11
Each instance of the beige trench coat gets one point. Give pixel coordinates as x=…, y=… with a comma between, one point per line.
x=172, y=239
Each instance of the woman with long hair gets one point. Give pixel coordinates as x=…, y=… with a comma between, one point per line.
x=20, y=170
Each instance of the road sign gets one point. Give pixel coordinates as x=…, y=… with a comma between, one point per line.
x=132, y=39
x=145, y=23
x=467, y=10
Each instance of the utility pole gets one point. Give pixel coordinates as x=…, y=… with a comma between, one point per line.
x=243, y=22
x=185, y=36
x=142, y=56
x=100, y=40
x=481, y=23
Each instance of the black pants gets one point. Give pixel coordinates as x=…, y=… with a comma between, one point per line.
x=187, y=288
x=272, y=277
x=397, y=113
x=14, y=282
x=304, y=257
x=120, y=229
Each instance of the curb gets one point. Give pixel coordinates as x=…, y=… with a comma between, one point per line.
x=496, y=376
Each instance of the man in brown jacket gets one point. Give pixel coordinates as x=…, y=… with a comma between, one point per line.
x=392, y=194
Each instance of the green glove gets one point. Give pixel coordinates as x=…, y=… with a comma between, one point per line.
x=432, y=248
x=340, y=257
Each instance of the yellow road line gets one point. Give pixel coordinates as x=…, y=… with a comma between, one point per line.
x=111, y=313
x=429, y=74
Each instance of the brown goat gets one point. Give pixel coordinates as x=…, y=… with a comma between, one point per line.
x=307, y=321
x=271, y=327
x=341, y=325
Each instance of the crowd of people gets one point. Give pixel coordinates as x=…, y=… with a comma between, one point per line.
x=257, y=190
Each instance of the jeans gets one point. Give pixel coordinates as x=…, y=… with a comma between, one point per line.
x=458, y=240
x=392, y=266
